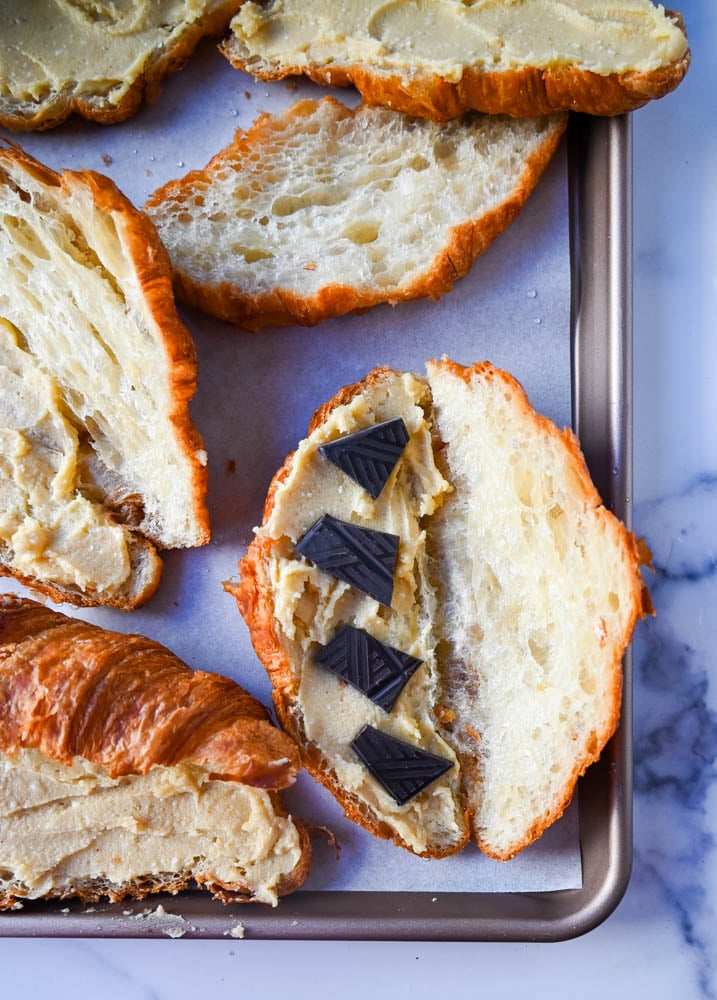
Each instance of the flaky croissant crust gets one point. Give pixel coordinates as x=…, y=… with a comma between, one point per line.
x=72, y=689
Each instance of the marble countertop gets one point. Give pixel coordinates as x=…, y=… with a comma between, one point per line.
x=661, y=941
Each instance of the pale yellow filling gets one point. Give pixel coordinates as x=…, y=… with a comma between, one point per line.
x=445, y=36
x=310, y=605
x=63, y=826
x=50, y=46
x=51, y=530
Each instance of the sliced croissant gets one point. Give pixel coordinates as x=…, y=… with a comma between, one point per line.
x=123, y=772
x=514, y=586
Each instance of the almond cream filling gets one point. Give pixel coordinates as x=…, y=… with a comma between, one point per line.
x=40, y=41
x=62, y=826
x=51, y=529
x=444, y=36
x=310, y=605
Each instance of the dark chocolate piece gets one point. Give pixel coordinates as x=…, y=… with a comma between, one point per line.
x=377, y=670
x=402, y=769
x=369, y=456
x=361, y=557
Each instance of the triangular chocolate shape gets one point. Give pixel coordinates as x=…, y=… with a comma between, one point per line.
x=377, y=670
x=369, y=456
x=361, y=557
x=402, y=769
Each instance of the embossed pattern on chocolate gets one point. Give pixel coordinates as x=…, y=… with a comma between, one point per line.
x=378, y=671
x=369, y=456
x=403, y=770
x=361, y=557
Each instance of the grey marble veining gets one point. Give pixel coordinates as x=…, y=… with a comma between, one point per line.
x=675, y=742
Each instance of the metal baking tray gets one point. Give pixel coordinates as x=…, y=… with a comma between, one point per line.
x=599, y=173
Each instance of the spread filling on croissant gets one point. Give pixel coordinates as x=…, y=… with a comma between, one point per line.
x=74, y=827
x=514, y=586
x=123, y=772
x=310, y=605
x=447, y=35
x=50, y=527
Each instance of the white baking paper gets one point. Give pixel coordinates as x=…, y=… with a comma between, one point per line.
x=256, y=396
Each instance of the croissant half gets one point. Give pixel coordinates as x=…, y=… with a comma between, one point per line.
x=514, y=589
x=123, y=772
x=101, y=464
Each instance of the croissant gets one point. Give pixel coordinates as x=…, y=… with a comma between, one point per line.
x=331, y=226
x=123, y=772
x=442, y=603
x=101, y=464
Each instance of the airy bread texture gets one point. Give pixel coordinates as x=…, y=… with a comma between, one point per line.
x=514, y=585
x=123, y=772
x=100, y=462
x=99, y=58
x=321, y=210
x=439, y=58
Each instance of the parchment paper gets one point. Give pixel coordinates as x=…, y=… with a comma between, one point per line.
x=256, y=395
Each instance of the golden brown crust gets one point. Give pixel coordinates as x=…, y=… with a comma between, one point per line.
x=151, y=265
x=281, y=306
x=254, y=596
x=71, y=689
x=526, y=93
x=98, y=107
x=344, y=396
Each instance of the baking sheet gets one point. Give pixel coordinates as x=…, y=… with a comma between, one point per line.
x=256, y=395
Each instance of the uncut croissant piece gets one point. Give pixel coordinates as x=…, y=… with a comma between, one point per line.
x=123, y=772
